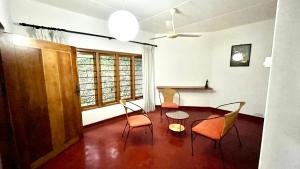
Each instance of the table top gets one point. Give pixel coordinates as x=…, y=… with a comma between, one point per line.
x=186, y=87
x=178, y=115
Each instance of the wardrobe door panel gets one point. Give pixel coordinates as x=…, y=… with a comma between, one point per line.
x=68, y=94
x=8, y=158
x=40, y=80
x=26, y=93
x=62, y=98
x=35, y=109
x=77, y=117
x=55, y=106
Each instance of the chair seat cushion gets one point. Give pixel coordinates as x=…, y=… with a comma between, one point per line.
x=210, y=128
x=138, y=120
x=169, y=105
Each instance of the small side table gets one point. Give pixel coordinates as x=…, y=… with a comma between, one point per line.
x=178, y=118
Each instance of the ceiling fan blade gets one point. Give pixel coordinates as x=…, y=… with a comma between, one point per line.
x=188, y=35
x=158, y=37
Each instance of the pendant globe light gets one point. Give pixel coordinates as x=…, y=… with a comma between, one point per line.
x=123, y=25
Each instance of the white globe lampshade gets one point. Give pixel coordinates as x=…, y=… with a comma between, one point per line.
x=123, y=25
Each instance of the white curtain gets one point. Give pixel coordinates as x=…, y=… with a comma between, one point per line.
x=48, y=35
x=148, y=78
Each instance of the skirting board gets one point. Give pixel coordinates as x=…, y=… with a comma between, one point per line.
x=193, y=108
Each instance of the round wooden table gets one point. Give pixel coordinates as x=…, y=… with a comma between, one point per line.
x=178, y=120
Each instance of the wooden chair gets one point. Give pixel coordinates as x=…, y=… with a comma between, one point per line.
x=216, y=127
x=168, y=99
x=135, y=121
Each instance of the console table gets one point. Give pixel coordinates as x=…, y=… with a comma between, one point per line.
x=186, y=87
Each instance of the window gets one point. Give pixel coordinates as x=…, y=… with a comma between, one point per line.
x=125, y=77
x=107, y=77
x=138, y=76
x=87, y=80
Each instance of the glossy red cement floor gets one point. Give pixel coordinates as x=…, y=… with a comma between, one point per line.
x=102, y=147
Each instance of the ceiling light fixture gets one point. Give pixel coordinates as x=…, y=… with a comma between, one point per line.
x=123, y=25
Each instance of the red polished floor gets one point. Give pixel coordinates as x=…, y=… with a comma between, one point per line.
x=102, y=147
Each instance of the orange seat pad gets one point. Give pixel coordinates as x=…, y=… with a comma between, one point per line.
x=138, y=120
x=169, y=105
x=210, y=128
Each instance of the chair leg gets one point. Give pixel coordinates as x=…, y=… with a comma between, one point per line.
x=126, y=138
x=168, y=125
x=221, y=152
x=151, y=129
x=185, y=131
x=192, y=142
x=124, y=129
x=238, y=135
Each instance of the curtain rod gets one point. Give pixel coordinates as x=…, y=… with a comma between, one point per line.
x=82, y=33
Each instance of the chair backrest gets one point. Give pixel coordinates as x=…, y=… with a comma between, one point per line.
x=123, y=103
x=230, y=118
x=168, y=94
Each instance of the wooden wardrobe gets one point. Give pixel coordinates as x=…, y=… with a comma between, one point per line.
x=39, y=101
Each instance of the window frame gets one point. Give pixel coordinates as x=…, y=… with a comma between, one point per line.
x=95, y=76
x=102, y=104
x=97, y=54
x=133, y=72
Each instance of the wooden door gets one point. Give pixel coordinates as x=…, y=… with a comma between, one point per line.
x=41, y=81
x=7, y=146
x=63, y=100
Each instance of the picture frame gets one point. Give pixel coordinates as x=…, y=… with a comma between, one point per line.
x=240, y=55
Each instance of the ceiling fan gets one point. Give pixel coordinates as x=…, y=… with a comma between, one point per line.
x=174, y=34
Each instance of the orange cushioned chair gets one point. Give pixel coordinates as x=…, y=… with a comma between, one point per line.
x=134, y=121
x=168, y=96
x=216, y=127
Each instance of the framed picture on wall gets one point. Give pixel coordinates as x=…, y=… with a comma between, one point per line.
x=240, y=55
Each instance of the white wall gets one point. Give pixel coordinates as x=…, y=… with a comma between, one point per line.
x=281, y=134
x=5, y=18
x=96, y=115
x=190, y=61
x=33, y=12
x=184, y=61
x=242, y=83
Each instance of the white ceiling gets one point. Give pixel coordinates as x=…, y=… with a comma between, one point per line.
x=193, y=16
